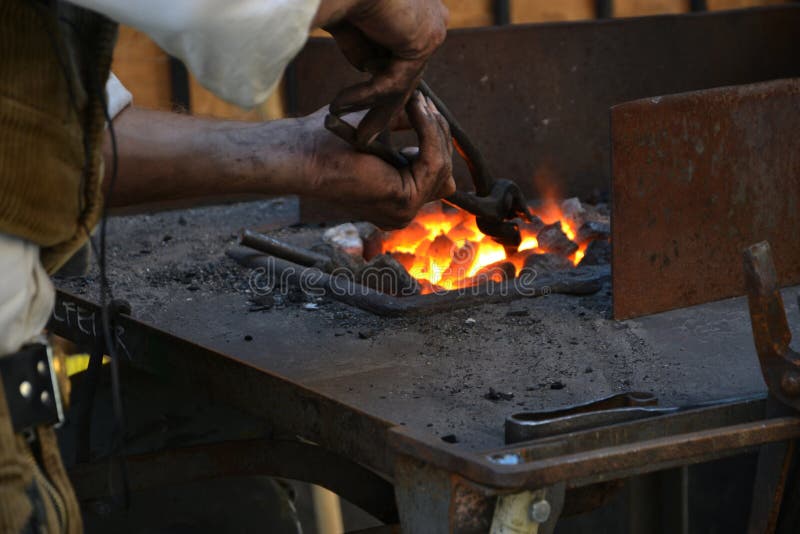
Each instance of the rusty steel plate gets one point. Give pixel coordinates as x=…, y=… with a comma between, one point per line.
x=697, y=177
x=535, y=98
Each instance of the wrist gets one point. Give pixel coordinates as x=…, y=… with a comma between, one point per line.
x=261, y=158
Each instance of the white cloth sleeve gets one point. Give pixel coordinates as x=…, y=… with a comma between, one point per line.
x=117, y=96
x=26, y=293
x=236, y=48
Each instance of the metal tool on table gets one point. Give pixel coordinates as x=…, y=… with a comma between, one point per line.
x=605, y=411
x=495, y=203
x=616, y=408
x=280, y=249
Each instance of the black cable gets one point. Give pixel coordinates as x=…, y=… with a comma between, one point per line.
x=107, y=303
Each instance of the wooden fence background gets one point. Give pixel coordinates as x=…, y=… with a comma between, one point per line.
x=145, y=71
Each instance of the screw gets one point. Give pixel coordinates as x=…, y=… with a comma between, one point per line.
x=790, y=383
x=540, y=511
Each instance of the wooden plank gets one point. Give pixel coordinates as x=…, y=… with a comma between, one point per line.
x=205, y=103
x=143, y=68
x=640, y=8
x=523, y=11
x=716, y=5
x=469, y=13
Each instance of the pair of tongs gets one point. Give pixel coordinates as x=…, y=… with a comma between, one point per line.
x=495, y=203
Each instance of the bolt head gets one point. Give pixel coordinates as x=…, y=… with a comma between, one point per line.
x=26, y=390
x=540, y=511
x=790, y=383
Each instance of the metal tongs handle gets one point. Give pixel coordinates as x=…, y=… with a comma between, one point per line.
x=347, y=132
x=478, y=168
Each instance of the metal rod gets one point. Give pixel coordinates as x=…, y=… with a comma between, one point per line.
x=347, y=132
x=276, y=247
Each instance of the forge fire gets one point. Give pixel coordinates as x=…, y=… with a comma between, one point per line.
x=443, y=249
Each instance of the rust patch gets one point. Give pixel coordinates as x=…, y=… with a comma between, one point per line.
x=697, y=177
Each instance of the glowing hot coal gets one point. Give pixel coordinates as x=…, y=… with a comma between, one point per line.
x=443, y=248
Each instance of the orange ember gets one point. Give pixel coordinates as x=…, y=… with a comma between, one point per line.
x=443, y=248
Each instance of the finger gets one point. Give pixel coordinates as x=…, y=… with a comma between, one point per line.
x=444, y=127
x=385, y=138
x=448, y=184
x=443, y=124
x=363, y=53
x=354, y=98
x=446, y=189
x=377, y=120
x=400, y=122
x=388, y=89
x=384, y=87
x=433, y=158
x=446, y=141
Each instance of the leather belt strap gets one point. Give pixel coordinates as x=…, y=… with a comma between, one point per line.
x=31, y=387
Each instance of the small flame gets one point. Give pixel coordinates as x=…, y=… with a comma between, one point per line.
x=528, y=243
x=443, y=247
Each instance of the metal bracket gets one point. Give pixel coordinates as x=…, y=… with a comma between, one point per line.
x=780, y=365
x=529, y=512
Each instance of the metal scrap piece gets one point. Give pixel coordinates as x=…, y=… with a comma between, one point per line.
x=697, y=177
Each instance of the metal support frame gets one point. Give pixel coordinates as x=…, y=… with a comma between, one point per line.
x=258, y=457
x=698, y=5
x=659, y=502
x=417, y=463
x=779, y=364
x=501, y=9
x=604, y=9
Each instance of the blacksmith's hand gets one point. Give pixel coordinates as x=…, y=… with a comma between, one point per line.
x=367, y=186
x=391, y=39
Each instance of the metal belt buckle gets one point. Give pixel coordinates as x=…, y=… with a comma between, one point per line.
x=31, y=386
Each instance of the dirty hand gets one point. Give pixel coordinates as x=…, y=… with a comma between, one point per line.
x=392, y=39
x=371, y=188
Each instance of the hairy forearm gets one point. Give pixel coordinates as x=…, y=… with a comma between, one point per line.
x=163, y=156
